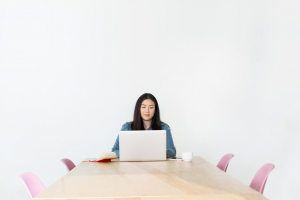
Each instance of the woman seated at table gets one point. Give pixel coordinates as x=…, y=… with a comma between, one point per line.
x=147, y=117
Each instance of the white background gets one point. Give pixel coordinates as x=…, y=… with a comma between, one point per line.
x=225, y=74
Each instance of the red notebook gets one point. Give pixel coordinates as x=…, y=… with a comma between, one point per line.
x=103, y=160
x=104, y=157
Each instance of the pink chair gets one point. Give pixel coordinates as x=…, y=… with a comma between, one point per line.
x=259, y=181
x=32, y=183
x=68, y=163
x=223, y=164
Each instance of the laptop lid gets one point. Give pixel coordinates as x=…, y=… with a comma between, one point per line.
x=147, y=145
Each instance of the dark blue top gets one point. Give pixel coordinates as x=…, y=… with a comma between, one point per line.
x=171, y=150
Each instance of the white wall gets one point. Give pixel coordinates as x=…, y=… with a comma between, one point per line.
x=225, y=73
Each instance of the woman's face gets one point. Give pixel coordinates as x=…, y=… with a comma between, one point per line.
x=147, y=109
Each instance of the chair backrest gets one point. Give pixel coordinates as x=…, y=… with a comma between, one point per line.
x=223, y=164
x=259, y=181
x=32, y=183
x=68, y=163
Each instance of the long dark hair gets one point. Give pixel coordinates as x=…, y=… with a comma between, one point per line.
x=137, y=123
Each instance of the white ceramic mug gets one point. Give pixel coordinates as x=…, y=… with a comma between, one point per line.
x=187, y=156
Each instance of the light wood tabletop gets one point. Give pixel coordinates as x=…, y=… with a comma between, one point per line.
x=163, y=180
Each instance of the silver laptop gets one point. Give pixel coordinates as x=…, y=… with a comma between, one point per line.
x=142, y=145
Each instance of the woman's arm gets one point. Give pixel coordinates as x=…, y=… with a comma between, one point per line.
x=116, y=145
x=171, y=150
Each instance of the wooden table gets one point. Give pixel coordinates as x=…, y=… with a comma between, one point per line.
x=163, y=180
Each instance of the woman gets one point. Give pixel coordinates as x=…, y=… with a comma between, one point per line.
x=146, y=117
